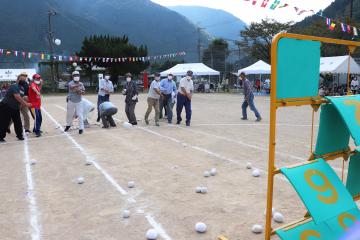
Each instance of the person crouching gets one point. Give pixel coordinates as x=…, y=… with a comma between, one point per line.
x=107, y=110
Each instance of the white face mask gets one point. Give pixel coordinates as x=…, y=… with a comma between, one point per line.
x=107, y=77
x=157, y=79
x=188, y=78
x=37, y=82
x=76, y=79
x=128, y=79
x=170, y=77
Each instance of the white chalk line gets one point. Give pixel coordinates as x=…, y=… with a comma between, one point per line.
x=34, y=214
x=148, y=217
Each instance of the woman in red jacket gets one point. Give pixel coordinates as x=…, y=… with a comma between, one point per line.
x=35, y=100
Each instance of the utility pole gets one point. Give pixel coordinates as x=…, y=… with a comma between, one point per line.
x=199, y=43
x=351, y=9
x=51, y=13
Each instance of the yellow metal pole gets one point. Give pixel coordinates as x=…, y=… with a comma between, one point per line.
x=348, y=92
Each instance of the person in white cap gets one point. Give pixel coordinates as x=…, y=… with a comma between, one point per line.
x=74, y=105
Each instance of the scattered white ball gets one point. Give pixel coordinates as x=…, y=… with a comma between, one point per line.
x=213, y=171
x=272, y=211
x=32, y=162
x=131, y=184
x=256, y=173
x=204, y=190
x=198, y=189
x=206, y=174
x=126, y=214
x=151, y=234
x=257, y=229
x=80, y=180
x=248, y=165
x=200, y=227
x=278, y=217
x=88, y=163
x=127, y=125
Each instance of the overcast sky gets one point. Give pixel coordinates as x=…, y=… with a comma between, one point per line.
x=248, y=13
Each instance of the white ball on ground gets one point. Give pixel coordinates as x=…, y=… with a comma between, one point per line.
x=248, y=165
x=206, y=174
x=257, y=228
x=256, y=173
x=80, y=180
x=200, y=227
x=204, y=190
x=198, y=189
x=127, y=125
x=126, y=214
x=213, y=171
x=278, y=217
x=151, y=234
x=131, y=184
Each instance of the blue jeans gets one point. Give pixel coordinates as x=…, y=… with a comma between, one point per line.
x=38, y=120
x=102, y=99
x=167, y=102
x=250, y=104
x=183, y=101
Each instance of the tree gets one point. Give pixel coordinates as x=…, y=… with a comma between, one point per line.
x=215, y=55
x=257, y=37
x=114, y=47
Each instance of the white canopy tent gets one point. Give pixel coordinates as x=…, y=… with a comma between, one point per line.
x=10, y=75
x=199, y=69
x=338, y=65
x=260, y=67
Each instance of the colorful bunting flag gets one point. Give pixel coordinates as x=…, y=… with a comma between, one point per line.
x=265, y=3
x=328, y=22
x=332, y=26
x=355, y=31
x=343, y=28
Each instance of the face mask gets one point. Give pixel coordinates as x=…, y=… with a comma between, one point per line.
x=107, y=77
x=76, y=79
x=170, y=77
x=188, y=77
x=157, y=78
x=128, y=79
x=37, y=82
x=21, y=83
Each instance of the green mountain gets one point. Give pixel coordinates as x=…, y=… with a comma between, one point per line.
x=218, y=23
x=24, y=25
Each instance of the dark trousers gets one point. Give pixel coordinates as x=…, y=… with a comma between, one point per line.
x=130, y=112
x=162, y=105
x=106, y=120
x=183, y=101
x=102, y=99
x=8, y=114
x=168, y=105
x=38, y=120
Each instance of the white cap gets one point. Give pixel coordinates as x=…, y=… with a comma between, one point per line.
x=75, y=73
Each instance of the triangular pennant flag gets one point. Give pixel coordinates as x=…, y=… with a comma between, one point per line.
x=265, y=3
x=81, y=59
x=348, y=28
x=70, y=59
x=275, y=5
x=1, y=51
x=8, y=52
x=254, y=2
x=332, y=26
x=355, y=31
x=29, y=55
x=343, y=28
x=42, y=56
x=60, y=58
x=284, y=6
x=16, y=53
x=328, y=22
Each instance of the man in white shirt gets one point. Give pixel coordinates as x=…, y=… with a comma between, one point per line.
x=354, y=86
x=153, y=100
x=105, y=88
x=185, y=92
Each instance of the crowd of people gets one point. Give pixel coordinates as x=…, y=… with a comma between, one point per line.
x=24, y=97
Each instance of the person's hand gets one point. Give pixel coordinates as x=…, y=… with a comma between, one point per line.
x=29, y=105
x=134, y=97
x=124, y=91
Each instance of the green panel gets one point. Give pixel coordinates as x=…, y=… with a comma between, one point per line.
x=349, y=109
x=298, y=68
x=333, y=135
x=353, y=179
x=342, y=222
x=325, y=203
x=299, y=232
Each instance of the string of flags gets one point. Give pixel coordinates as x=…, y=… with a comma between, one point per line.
x=330, y=23
x=60, y=58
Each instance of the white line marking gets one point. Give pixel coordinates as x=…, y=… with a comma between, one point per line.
x=34, y=222
x=113, y=182
x=60, y=107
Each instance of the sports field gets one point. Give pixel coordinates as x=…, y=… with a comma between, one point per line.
x=44, y=200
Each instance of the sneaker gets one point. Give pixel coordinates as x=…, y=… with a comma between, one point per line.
x=105, y=127
x=244, y=118
x=157, y=124
x=114, y=125
x=258, y=119
x=188, y=124
x=81, y=131
x=147, y=122
x=21, y=138
x=38, y=135
x=67, y=128
x=134, y=123
x=178, y=122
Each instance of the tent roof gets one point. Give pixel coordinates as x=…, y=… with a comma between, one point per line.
x=338, y=64
x=198, y=69
x=260, y=67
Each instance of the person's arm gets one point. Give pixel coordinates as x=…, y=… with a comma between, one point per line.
x=101, y=85
x=157, y=90
x=35, y=90
x=21, y=100
x=246, y=90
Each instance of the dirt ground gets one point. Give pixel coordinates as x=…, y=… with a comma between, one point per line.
x=44, y=201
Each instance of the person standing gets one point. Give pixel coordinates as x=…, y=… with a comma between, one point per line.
x=105, y=88
x=35, y=100
x=131, y=98
x=24, y=92
x=153, y=100
x=249, y=99
x=354, y=86
x=107, y=110
x=74, y=105
x=168, y=89
x=10, y=109
x=184, y=96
